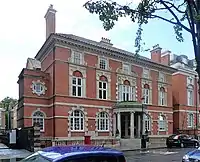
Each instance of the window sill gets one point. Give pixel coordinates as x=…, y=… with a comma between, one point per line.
x=162, y=130
x=103, y=131
x=81, y=131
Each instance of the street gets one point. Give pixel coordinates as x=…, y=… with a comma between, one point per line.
x=164, y=155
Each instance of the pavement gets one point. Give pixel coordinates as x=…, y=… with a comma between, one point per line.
x=6, y=153
x=164, y=155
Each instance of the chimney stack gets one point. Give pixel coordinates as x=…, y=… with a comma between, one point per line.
x=156, y=53
x=50, y=17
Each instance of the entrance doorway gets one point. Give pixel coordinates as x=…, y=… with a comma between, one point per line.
x=125, y=125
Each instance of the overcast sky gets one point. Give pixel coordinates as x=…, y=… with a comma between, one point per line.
x=22, y=33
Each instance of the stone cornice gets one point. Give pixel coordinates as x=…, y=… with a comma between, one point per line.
x=112, y=52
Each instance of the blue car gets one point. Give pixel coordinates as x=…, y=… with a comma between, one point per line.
x=76, y=154
x=192, y=156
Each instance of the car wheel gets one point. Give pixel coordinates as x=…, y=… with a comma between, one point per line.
x=169, y=146
x=182, y=145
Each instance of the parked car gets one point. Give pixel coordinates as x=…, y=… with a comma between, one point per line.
x=76, y=154
x=181, y=140
x=193, y=156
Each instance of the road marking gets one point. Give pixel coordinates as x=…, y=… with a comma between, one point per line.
x=164, y=153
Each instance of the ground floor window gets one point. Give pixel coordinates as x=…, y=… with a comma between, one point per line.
x=161, y=123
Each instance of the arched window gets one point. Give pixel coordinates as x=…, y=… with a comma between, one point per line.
x=147, y=122
x=190, y=95
x=162, y=123
x=190, y=120
x=162, y=96
x=77, y=84
x=38, y=118
x=77, y=120
x=103, y=121
x=103, y=87
x=146, y=93
x=126, y=92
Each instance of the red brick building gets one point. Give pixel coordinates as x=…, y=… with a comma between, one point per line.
x=75, y=87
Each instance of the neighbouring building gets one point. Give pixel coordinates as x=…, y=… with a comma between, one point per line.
x=76, y=87
x=184, y=90
x=2, y=119
x=13, y=116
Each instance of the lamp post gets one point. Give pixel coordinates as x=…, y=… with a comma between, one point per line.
x=196, y=90
x=141, y=132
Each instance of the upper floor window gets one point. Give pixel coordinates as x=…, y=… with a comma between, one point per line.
x=103, y=87
x=77, y=84
x=38, y=119
x=162, y=97
x=77, y=57
x=103, y=121
x=161, y=77
x=127, y=92
x=162, y=123
x=190, y=120
x=146, y=94
x=146, y=73
x=77, y=120
x=190, y=81
x=190, y=95
x=126, y=68
x=103, y=63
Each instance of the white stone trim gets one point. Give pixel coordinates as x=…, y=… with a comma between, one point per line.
x=85, y=122
x=108, y=76
x=44, y=88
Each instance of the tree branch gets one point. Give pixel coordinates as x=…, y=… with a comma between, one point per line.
x=178, y=21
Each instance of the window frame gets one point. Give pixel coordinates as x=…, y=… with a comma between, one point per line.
x=190, y=96
x=38, y=118
x=102, y=89
x=105, y=61
x=124, y=66
x=190, y=123
x=77, y=86
x=129, y=90
x=105, y=120
x=146, y=96
x=162, y=124
x=74, y=58
x=81, y=120
x=147, y=122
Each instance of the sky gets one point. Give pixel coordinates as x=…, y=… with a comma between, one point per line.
x=22, y=33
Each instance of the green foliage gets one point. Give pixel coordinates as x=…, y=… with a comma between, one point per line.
x=8, y=102
x=109, y=12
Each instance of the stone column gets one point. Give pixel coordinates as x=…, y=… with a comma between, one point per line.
x=119, y=123
x=114, y=124
x=139, y=126
x=132, y=124
x=143, y=131
x=126, y=126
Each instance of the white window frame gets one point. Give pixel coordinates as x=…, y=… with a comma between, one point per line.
x=162, y=123
x=38, y=119
x=103, y=67
x=162, y=98
x=190, y=120
x=147, y=122
x=146, y=96
x=77, y=86
x=126, y=90
x=80, y=118
x=126, y=68
x=0, y=118
x=146, y=73
x=77, y=60
x=190, y=96
x=102, y=89
x=162, y=77
x=103, y=122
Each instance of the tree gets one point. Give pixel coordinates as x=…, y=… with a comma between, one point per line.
x=184, y=16
x=7, y=103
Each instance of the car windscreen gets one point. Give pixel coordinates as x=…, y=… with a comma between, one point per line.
x=35, y=158
x=97, y=159
x=172, y=136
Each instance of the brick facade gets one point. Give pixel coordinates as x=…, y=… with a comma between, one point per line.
x=55, y=72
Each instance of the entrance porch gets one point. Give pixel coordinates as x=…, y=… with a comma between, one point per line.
x=129, y=120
